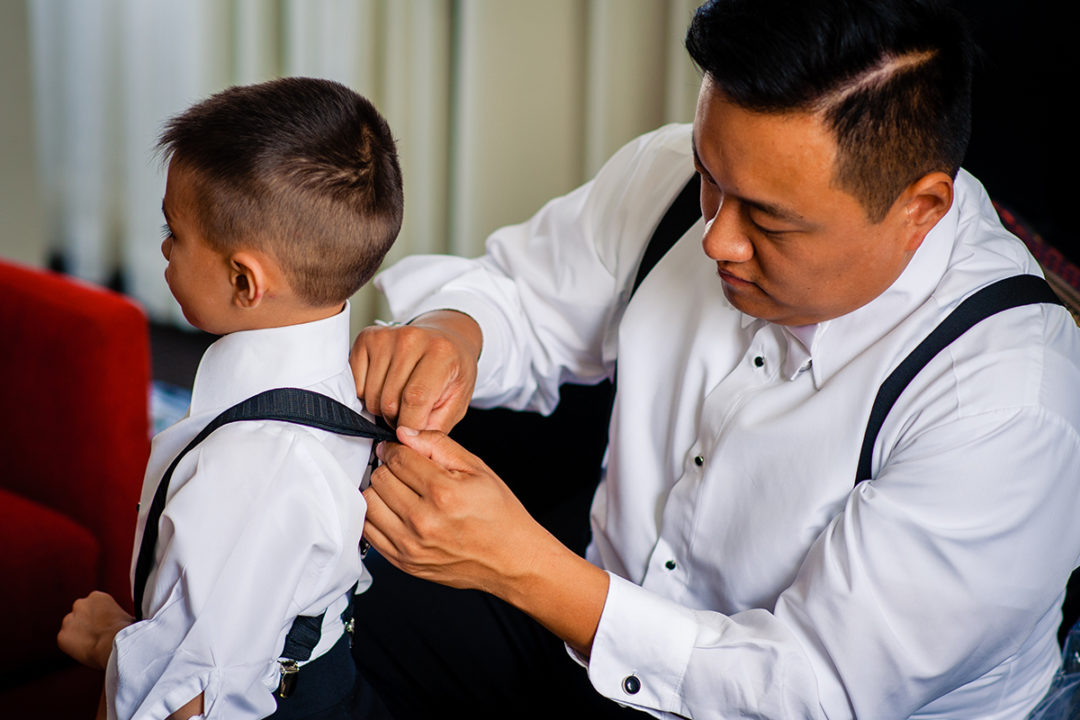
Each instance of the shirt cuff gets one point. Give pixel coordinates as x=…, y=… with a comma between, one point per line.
x=642, y=648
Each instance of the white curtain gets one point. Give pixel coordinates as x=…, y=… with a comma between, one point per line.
x=498, y=105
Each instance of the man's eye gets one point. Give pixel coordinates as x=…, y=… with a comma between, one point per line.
x=767, y=231
x=166, y=232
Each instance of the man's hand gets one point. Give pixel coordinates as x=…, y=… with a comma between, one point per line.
x=87, y=632
x=419, y=375
x=439, y=513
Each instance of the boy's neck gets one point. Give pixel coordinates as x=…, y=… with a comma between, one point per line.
x=280, y=316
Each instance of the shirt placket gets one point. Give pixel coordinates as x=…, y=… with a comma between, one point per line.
x=670, y=567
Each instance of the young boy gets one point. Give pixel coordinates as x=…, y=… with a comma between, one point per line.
x=281, y=201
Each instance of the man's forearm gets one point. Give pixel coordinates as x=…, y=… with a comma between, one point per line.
x=563, y=592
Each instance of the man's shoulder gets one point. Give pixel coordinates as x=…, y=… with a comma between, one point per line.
x=666, y=149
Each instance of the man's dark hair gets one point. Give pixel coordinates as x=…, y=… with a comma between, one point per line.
x=301, y=168
x=891, y=78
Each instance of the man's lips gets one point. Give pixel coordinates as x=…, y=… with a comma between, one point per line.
x=733, y=280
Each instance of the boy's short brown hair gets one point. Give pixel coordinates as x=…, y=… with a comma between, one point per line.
x=302, y=168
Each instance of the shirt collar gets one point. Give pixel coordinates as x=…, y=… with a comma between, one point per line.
x=245, y=363
x=798, y=344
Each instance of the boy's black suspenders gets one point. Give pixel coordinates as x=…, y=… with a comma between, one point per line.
x=302, y=407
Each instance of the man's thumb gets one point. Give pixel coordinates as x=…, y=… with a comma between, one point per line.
x=435, y=445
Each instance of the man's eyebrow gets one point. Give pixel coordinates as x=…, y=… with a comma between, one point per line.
x=771, y=209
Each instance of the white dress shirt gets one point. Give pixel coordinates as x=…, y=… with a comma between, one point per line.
x=748, y=577
x=261, y=524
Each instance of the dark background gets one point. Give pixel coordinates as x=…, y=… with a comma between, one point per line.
x=1023, y=146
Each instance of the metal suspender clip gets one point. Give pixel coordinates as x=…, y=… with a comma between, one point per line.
x=289, y=674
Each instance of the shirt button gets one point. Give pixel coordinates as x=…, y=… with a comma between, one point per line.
x=670, y=564
x=699, y=460
x=631, y=684
x=759, y=361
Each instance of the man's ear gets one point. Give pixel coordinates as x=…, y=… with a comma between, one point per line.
x=924, y=203
x=248, y=275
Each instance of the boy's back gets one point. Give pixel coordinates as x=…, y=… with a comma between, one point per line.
x=262, y=524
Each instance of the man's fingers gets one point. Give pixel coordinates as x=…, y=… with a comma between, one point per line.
x=392, y=491
x=419, y=375
x=375, y=389
x=439, y=448
x=410, y=393
x=381, y=524
x=358, y=361
x=435, y=381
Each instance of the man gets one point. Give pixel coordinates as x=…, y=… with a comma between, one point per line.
x=736, y=568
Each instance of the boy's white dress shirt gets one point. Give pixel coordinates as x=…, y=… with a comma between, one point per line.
x=748, y=579
x=262, y=524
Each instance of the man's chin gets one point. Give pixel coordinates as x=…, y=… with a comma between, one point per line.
x=747, y=298
x=758, y=305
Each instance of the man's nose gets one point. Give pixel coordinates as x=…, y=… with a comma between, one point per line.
x=724, y=239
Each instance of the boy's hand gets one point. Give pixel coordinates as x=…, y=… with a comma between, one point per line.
x=87, y=632
x=419, y=375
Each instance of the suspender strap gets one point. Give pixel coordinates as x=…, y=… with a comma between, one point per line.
x=306, y=630
x=302, y=407
x=680, y=216
x=1001, y=295
x=683, y=212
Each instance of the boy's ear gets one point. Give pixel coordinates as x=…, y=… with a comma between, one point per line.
x=247, y=273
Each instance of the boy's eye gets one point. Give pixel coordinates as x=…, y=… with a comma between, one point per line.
x=166, y=231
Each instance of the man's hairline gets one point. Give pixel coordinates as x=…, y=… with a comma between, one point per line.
x=888, y=66
x=773, y=209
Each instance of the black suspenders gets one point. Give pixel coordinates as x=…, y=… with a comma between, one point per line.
x=992, y=299
x=684, y=211
x=1011, y=292
x=293, y=405
x=996, y=297
x=308, y=408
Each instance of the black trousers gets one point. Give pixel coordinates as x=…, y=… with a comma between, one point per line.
x=428, y=651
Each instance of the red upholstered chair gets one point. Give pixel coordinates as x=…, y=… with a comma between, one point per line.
x=75, y=368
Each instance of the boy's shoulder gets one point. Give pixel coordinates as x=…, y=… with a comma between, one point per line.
x=265, y=469
x=262, y=449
